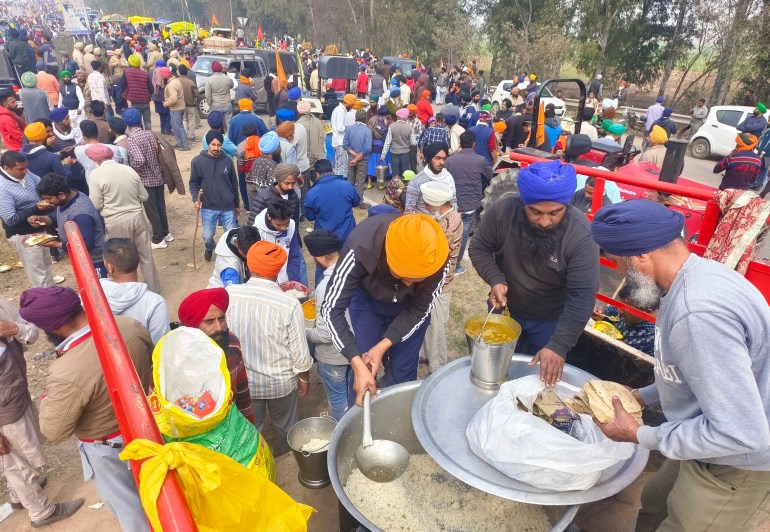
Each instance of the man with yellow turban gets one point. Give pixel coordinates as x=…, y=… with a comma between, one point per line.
x=656, y=147
x=742, y=166
x=390, y=270
x=271, y=326
x=536, y=253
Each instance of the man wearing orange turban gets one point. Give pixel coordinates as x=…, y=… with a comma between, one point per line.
x=205, y=310
x=389, y=272
x=275, y=351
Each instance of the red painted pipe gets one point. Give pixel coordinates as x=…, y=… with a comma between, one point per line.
x=128, y=398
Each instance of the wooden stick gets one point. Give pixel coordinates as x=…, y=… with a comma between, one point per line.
x=195, y=232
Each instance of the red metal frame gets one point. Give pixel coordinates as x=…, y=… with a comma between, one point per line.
x=757, y=274
x=128, y=398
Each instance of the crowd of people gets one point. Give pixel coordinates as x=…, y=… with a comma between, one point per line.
x=85, y=152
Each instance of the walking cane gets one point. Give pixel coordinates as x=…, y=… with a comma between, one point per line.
x=195, y=233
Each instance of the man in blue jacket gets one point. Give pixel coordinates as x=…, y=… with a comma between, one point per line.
x=330, y=203
x=756, y=123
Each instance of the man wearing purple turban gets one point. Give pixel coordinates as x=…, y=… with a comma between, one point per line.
x=76, y=400
x=537, y=255
x=712, y=375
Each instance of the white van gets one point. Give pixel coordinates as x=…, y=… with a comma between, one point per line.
x=716, y=137
x=503, y=91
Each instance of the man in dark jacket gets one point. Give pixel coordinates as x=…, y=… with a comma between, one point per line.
x=20, y=53
x=286, y=176
x=214, y=172
x=756, y=123
x=537, y=255
x=514, y=128
x=666, y=123
x=390, y=270
x=40, y=161
x=21, y=450
x=472, y=174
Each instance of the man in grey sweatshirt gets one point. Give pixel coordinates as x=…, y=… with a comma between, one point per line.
x=712, y=376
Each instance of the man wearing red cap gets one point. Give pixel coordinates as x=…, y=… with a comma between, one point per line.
x=217, y=92
x=205, y=310
x=275, y=351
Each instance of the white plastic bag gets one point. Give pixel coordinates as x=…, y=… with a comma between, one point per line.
x=528, y=449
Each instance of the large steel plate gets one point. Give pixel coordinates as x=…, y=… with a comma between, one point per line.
x=445, y=404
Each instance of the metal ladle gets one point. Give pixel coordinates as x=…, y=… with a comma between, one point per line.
x=379, y=460
x=481, y=332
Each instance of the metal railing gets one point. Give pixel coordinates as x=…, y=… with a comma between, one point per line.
x=128, y=398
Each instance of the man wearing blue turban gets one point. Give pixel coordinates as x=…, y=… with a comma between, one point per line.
x=712, y=375
x=536, y=253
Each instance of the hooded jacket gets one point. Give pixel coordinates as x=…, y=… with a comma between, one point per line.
x=229, y=268
x=268, y=194
x=136, y=301
x=330, y=204
x=288, y=239
x=10, y=130
x=667, y=124
x=218, y=179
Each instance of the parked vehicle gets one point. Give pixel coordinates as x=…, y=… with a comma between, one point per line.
x=9, y=78
x=716, y=137
x=233, y=61
x=406, y=65
x=503, y=91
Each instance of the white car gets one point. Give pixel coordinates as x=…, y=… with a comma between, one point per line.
x=503, y=91
x=717, y=134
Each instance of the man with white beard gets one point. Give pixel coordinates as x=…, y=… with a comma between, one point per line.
x=712, y=375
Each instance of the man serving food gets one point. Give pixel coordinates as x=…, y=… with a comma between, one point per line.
x=536, y=253
x=712, y=376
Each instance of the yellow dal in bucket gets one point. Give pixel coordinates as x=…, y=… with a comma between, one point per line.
x=494, y=333
x=309, y=310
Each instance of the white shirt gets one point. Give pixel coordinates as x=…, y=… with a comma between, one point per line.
x=98, y=87
x=338, y=125
x=300, y=145
x=271, y=327
x=406, y=93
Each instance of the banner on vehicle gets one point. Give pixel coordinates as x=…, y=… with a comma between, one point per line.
x=75, y=16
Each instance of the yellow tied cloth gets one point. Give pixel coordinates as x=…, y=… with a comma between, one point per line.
x=415, y=246
x=658, y=136
x=222, y=494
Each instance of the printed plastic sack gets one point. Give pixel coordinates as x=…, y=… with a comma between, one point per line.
x=222, y=494
x=187, y=362
x=237, y=438
x=528, y=449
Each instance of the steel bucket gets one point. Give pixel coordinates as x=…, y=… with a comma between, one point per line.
x=313, y=472
x=381, y=170
x=392, y=419
x=489, y=362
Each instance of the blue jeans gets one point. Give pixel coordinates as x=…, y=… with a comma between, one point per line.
x=761, y=181
x=370, y=319
x=177, y=125
x=399, y=163
x=534, y=334
x=467, y=224
x=209, y=219
x=333, y=378
x=302, y=270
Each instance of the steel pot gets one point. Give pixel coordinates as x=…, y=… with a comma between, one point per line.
x=489, y=362
x=381, y=170
x=391, y=419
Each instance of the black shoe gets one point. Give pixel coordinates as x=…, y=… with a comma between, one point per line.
x=62, y=511
x=207, y=255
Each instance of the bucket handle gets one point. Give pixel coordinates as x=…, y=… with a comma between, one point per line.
x=327, y=415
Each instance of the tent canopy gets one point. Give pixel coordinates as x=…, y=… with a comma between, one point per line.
x=182, y=27
x=116, y=17
x=140, y=20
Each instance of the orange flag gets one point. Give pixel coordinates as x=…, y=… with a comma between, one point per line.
x=283, y=81
x=214, y=21
x=540, y=134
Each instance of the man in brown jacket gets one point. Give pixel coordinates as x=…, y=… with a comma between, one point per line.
x=76, y=399
x=190, y=90
x=174, y=101
x=21, y=451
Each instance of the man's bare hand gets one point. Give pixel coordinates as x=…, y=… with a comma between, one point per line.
x=623, y=427
x=8, y=329
x=551, y=366
x=498, y=296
